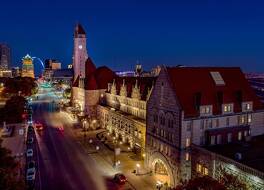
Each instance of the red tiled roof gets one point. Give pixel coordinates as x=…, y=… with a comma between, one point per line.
x=89, y=67
x=103, y=76
x=91, y=83
x=144, y=83
x=188, y=81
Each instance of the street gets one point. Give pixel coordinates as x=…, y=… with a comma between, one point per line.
x=62, y=164
x=67, y=160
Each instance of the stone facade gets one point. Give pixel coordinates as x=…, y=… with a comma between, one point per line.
x=205, y=162
x=171, y=131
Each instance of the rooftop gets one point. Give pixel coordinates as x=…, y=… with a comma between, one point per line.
x=252, y=152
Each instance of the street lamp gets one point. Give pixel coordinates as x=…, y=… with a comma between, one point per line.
x=138, y=166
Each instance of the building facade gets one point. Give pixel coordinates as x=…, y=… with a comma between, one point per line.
x=27, y=67
x=123, y=110
x=201, y=106
x=5, y=57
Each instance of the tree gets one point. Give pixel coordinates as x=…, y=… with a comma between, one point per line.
x=231, y=182
x=201, y=183
x=13, y=110
x=9, y=171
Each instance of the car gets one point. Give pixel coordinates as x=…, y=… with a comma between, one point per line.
x=31, y=174
x=120, y=178
x=31, y=164
x=30, y=129
x=30, y=140
x=29, y=152
x=38, y=126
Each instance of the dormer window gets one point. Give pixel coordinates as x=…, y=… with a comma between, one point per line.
x=227, y=108
x=206, y=110
x=247, y=106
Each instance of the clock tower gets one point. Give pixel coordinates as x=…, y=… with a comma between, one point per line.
x=79, y=53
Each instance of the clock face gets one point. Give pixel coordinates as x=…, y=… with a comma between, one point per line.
x=80, y=46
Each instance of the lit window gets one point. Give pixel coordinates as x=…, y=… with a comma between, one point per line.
x=199, y=168
x=239, y=135
x=249, y=119
x=187, y=144
x=245, y=133
x=207, y=109
x=205, y=171
x=187, y=156
x=227, y=108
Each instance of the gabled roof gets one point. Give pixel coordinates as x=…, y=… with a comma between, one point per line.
x=78, y=30
x=89, y=67
x=90, y=83
x=103, y=76
x=189, y=81
x=144, y=84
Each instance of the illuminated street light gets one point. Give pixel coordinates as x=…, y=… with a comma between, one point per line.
x=97, y=148
x=90, y=141
x=138, y=166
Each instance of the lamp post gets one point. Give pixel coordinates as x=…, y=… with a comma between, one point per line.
x=138, y=166
x=84, y=129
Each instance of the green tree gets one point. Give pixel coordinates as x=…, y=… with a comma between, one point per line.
x=9, y=171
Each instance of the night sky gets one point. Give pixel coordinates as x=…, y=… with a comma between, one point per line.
x=120, y=32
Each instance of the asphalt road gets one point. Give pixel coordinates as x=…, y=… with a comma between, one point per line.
x=62, y=163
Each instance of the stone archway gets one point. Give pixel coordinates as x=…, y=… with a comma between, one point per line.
x=161, y=169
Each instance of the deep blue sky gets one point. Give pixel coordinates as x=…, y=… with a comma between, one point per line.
x=120, y=32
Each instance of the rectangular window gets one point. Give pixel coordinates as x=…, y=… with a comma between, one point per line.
x=229, y=137
x=199, y=168
x=227, y=121
x=187, y=143
x=189, y=125
x=249, y=119
x=227, y=108
x=212, y=140
x=205, y=171
x=187, y=156
x=245, y=133
x=219, y=139
x=217, y=123
x=239, y=135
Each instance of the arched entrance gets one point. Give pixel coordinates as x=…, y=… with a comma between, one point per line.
x=161, y=169
x=161, y=172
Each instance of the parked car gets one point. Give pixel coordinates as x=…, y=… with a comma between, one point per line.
x=120, y=178
x=29, y=152
x=30, y=140
x=31, y=174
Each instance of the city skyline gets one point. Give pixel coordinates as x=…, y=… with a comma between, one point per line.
x=204, y=33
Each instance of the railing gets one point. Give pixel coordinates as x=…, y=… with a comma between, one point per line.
x=240, y=166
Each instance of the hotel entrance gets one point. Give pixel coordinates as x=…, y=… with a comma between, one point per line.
x=161, y=173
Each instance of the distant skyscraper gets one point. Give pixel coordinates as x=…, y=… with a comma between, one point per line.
x=27, y=67
x=79, y=52
x=5, y=57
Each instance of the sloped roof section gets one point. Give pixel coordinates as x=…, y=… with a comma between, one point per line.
x=103, y=76
x=187, y=82
x=91, y=83
x=89, y=67
x=79, y=30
